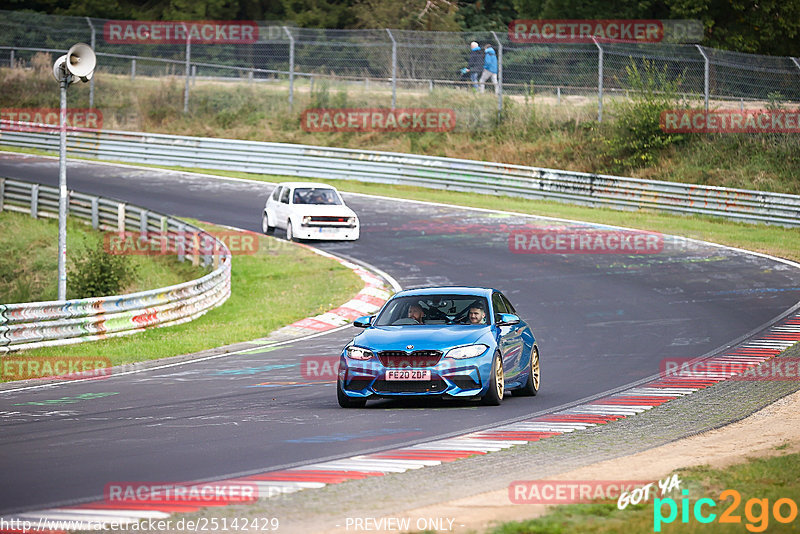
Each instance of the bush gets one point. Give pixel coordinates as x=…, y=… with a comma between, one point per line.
x=96, y=273
x=636, y=136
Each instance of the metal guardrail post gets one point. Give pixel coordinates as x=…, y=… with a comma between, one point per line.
x=599, y=80
x=291, y=68
x=187, y=70
x=95, y=213
x=91, y=82
x=394, y=68
x=499, y=76
x=180, y=242
x=35, y=201
x=706, y=73
x=121, y=217
x=143, y=221
x=2, y=192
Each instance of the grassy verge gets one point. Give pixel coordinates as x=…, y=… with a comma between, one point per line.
x=535, y=129
x=276, y=286
x=768, y=479
x=29, y=263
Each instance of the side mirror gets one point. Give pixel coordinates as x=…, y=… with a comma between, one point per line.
x=363, y=322
x=507, y=319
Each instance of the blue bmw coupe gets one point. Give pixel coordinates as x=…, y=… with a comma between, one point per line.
x=457, y=342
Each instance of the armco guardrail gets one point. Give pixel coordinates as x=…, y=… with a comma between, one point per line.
x=408, y=169
x=39, y=324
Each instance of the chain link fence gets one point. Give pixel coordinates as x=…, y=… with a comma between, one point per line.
x=419, y=67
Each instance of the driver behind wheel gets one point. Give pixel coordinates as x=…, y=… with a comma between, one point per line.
x=476, y=315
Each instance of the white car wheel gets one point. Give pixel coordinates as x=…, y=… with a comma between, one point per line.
x=289, y=232
x=265, y=226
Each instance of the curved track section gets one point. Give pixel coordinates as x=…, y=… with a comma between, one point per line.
x=602, y=320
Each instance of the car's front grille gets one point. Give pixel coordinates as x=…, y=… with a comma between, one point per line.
x=409, y=386
x=417, y=358
x=329, y=220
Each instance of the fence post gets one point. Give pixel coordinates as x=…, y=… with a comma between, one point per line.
x=394, y=68
x=194, y=75
x=499, y=76
x=187, y=73
x=120, y=217
x=291, y=68
x=2, y=192
x=599, y=80
x=133, y=69
x=143, y=221
x=95, y=213
x=35, y=201
x=705, y=75
x=11, y=59
x=558, y=92
x=91, y=82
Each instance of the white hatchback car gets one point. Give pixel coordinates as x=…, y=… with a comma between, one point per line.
x=309, y=210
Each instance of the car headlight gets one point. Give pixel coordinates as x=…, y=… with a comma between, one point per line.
x=357, y=353
x=467, y=351
x=306, y=220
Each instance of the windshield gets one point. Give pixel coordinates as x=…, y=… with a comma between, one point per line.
x=434, y=309
x=315, y=195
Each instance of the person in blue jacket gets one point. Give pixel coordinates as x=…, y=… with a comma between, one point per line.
x=489, y=69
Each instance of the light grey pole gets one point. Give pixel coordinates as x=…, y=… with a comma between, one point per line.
x=499, y=76
x=11, y=60
x=291, y=68
x=62, y=194
x=394, y=68
x=133, y=69
x=705, y=74
x=91, y=82
x=599, y=81
x=793, y=59
x=188, y=69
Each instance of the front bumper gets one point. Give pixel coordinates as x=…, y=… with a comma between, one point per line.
x=449, y=378
x=327, y=233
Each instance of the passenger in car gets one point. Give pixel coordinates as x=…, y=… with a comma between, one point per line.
x=415, y=312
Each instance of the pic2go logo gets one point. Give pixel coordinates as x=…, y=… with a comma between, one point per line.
x=756, y=511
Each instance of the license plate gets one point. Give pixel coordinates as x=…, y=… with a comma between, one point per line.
x=407, y=374
x=324, y=230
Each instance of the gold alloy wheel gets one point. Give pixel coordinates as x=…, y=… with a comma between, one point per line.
x=535, y=368
x=499, y=381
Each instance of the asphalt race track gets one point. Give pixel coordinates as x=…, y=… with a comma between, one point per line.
x=602, y=321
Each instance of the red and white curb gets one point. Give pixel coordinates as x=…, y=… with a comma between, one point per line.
x=601, y=411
